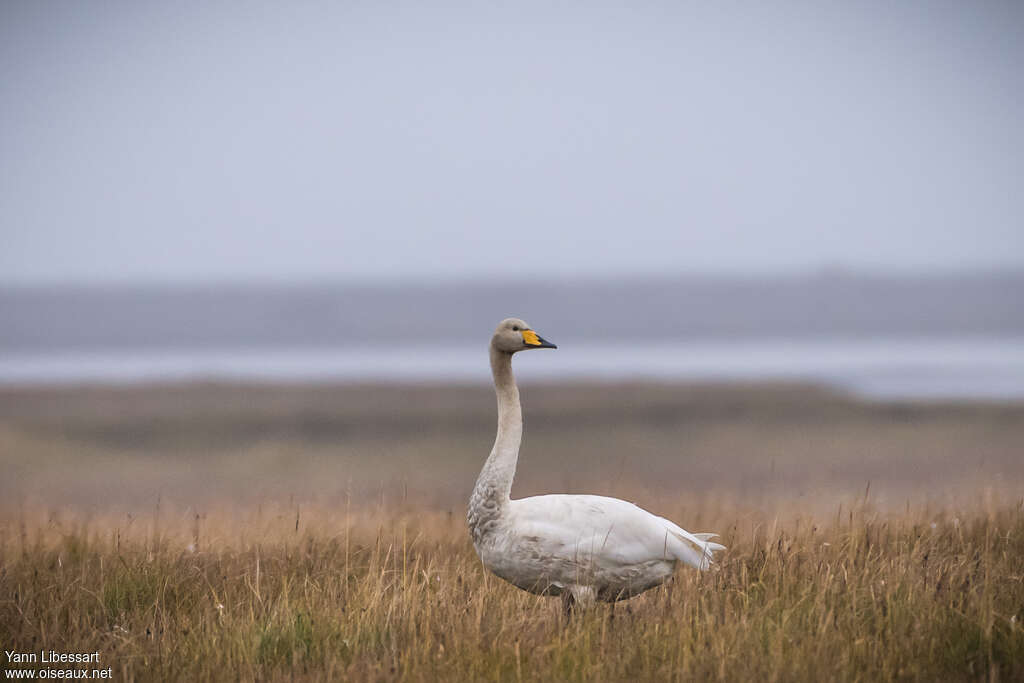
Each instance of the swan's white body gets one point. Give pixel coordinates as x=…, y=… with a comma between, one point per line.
x=586, y=547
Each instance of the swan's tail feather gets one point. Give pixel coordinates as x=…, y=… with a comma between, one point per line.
x=702, y=556
x=714, y=547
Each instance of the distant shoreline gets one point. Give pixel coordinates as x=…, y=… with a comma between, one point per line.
x=822, y=305
x=962, y=368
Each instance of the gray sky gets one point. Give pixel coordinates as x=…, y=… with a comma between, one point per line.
x=310, y=140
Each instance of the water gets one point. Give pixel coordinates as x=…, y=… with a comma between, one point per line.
x=931, y=336
x=981, y=368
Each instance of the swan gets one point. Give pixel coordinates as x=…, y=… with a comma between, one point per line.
x=583, y=548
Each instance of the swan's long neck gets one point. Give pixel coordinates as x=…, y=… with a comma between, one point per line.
x=494, y=485
x=500, y=468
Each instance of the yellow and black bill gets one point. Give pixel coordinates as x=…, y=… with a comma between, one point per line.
x=534, y=340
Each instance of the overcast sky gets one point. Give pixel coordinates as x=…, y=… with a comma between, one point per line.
x=177, y=141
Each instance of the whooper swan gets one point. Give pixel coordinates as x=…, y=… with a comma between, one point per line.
x=583, y=548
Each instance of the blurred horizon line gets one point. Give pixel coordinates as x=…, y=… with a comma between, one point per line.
x=830, y=303
x=881, y=333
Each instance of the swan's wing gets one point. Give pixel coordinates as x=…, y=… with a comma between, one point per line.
x=611, y=530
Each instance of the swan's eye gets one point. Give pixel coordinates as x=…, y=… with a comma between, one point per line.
x=515, y=328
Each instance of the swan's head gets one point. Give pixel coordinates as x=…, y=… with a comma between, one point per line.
x=514, y=335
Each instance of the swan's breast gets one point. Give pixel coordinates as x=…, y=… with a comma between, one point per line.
x=484, y=513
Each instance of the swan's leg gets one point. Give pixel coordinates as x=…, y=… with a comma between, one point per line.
x=568, y=603
x=586, y=596
x=578, y=597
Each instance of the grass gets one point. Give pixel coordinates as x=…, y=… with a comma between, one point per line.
x=401, y=595
x=216, y=533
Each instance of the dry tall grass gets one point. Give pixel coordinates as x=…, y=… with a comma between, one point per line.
x=400, y=595
x=318, y=534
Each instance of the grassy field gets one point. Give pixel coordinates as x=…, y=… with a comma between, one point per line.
x=216, y=532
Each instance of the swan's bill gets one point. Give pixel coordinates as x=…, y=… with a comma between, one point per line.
x=531, y=338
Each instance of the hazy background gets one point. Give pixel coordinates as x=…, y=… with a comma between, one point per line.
x=362, y=190
x=251, y=255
